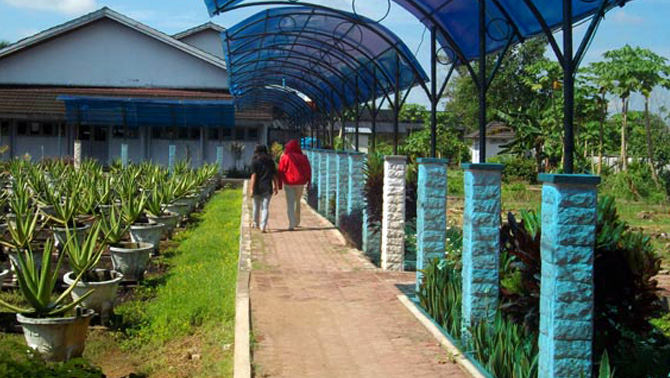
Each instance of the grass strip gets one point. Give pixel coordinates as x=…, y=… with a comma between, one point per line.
x=194, y=307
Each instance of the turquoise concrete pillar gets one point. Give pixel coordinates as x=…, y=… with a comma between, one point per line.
x=172, y=155
x=366, y=232
x=342, y=186
x=314, y=165
x=566, y=289
x=355, y=198
x=331, y=185
x=431, y=213
x=124, y=154
x=323, y=176
x=481, y=244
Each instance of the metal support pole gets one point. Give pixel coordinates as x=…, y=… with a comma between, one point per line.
x=356, y=117
x=482, y=85
x=396, y=107
x=374, y=109
x=568, y=89
x=433, y=92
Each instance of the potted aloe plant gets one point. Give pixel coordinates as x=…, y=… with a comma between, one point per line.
x=141, y=231
x=129, y=258
x=64, y=200
x=157, y=212
x=99, y=285
x=22, y=225
x=54, y=328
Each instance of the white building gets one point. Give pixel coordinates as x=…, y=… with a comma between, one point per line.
x=108, y=80
x=497, y=135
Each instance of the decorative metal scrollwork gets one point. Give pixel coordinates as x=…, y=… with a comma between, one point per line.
x=498, y=29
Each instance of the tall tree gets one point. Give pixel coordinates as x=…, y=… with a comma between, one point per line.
x=620, y=71
x=4, y=44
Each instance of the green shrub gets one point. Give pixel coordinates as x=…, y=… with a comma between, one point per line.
x=19, y=361
x=455, y=182
x=517, y=168
x=635, y=184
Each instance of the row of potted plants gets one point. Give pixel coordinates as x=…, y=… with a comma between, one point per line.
x=56, y=215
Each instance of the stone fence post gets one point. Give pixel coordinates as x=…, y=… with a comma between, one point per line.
x=393, y=213
x=431, y=213
x=331, y=184
x=342, y=185
x=322, y=185
x=566, y=289
x=481, y=244
x=355, y=200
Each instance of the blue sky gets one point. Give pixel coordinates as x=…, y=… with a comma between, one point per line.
x=641, y=22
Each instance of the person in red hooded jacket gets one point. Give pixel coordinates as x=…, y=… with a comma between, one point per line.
x=294, y=173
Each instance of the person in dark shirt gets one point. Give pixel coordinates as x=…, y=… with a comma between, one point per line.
x=264, y=182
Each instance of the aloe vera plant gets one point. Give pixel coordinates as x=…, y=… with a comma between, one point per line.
x=132, y=208
x=24, y=224
x=113, y=227
x=155, y=204
x=37, y=285
x=84, y=256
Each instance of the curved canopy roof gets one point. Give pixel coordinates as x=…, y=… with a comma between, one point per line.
x=457, y=21
x=333, y=57
x=284, y=99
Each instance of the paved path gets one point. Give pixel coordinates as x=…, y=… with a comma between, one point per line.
x=321, y=310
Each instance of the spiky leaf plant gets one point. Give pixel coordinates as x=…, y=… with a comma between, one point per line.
x=113, y=227
x=84, y=256
x=38, y=285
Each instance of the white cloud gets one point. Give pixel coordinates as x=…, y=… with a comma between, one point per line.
x=622, y=17
x=68, y=7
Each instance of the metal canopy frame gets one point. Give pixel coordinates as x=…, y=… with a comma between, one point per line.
x=499, y=24
x=301, y=56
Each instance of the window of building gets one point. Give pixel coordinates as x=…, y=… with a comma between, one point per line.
x=226, y=133
x=252, y=134
x=194, y=133
x=21, y=128
x=122, y=132
x=239, y=133
x=156, y=132
x=182, y=133
x=100, y=133
x=212, y=133
x=34, y=129
x=4, y=128
x=84, y=132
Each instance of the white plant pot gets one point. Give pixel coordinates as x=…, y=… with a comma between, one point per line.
x=180, y=208
x=104, y=293
x=170, y=220
x=60, y=234
x=3, y=275
x=131, y=259
x=150, y=233
x=57, y=339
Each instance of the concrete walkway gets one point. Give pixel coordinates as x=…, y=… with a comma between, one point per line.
x=321, y=310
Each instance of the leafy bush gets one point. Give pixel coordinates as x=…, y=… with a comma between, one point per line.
x=517, y=168
x=410, y=245
x=411, y=191
x=634, y=185
x=455, y=182
x=625, y=291
x=374, y=186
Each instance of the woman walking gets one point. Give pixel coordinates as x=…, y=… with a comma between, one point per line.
x=295, y=172
x=264, y=182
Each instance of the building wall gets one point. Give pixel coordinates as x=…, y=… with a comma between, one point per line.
x=208, y=40
x=108, y=54
x=493, y=148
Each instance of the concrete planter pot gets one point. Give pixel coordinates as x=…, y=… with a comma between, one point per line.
x=191, y=201
x=104, y=292
x=179, y=208
x=150, y=233
x=57, y=339
x=131, y=259
x=60, y=234
x=170, y=220
x=3, y=275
